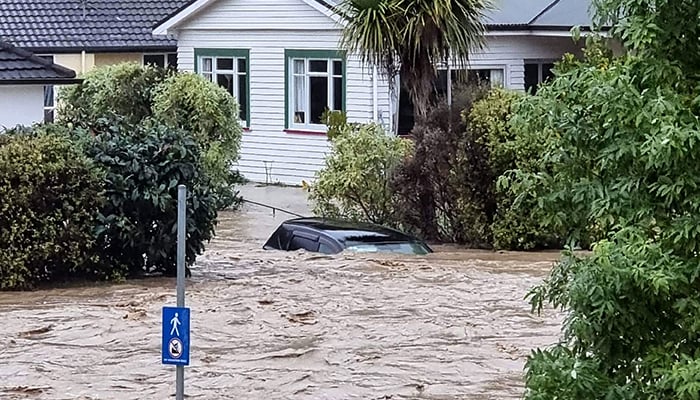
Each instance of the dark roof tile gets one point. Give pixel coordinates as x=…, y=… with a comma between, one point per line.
x=85, y=24
x=18, y=66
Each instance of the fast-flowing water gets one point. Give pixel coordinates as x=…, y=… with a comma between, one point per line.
x=276, y=325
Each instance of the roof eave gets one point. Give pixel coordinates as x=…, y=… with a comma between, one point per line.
x=42, y=81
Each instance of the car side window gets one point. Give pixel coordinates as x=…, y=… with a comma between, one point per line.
x=325, y=248
x=301, y=242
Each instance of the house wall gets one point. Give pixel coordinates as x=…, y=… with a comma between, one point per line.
x=92, y=60
x=267, y=27
x=21, y=105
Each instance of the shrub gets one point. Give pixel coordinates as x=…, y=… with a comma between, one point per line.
x=192, y=103
x=444, y=191
x=516, y=223
x=125, y=90
x=51, y=194
x=144, y=164
x=354, y=183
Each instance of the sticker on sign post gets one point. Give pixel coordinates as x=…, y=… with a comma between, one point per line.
x=176, y=336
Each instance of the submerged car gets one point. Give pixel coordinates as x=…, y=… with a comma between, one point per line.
x=333, y=236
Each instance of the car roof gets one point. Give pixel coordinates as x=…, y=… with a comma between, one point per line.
x=351, y=231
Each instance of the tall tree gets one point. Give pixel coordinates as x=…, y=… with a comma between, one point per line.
x=621, y=139
x=408, y=38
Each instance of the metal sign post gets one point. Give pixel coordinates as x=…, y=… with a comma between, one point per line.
x=176, y=320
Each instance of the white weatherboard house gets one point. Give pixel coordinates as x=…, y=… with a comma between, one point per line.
x=281, y=60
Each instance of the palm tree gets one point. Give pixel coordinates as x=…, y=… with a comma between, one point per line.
x=409, y=38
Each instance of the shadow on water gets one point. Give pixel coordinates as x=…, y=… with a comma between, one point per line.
x=277, y=325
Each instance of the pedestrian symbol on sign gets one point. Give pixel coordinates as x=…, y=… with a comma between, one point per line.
x=175, y=322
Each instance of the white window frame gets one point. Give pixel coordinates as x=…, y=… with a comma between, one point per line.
x=51, y=108
x=490, y=68
x=211, y=76
x=166, y=64
x=307, y=75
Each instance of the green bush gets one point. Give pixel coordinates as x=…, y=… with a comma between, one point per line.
x=516, y=223
x=445, y=190
x=144, y=164
x=192, y=103
x=354, y=183
x=51, y=194
x=124, y=90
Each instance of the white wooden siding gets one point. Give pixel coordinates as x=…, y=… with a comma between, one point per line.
x=268, y=153
x=267, y=28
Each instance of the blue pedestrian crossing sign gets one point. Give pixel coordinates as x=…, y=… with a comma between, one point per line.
x=176, y=336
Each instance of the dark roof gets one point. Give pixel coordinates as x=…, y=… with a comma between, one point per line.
x=92, y=25
x=18, y=66
x=540, y=14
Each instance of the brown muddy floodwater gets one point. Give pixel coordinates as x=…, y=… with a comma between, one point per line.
x=274, y=325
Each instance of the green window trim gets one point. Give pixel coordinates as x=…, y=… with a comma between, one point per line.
x=290, y=54
x=235, y=53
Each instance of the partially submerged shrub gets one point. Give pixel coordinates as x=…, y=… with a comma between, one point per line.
x=194, y=104
x=516, y=223
x=444, y=190
x=354, y=183
x=51, y=194
x=144, y=164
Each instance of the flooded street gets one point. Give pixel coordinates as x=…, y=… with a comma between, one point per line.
x=276, y=325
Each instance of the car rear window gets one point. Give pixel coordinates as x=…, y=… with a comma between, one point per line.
x=299, y=242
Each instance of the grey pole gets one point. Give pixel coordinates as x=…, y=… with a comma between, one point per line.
x=181, y=236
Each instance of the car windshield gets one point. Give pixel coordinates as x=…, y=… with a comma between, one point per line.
x=402, y=248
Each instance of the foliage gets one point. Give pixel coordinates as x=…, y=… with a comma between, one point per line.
x=336, y=122
x=410, y=37
x=144, y=164
x=354, y=183
x=124, y=90
x=192, y=103
x=51, y=194
x=623, y=153
x=515, y=223
x=445, y=190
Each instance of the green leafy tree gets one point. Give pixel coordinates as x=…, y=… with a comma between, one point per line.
x=410, y=37
x=622, y=150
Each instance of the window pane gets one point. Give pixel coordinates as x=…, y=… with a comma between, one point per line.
x=338, y=68
x=441, y=83
x=48, y=115
x=224, y=63
x=299, y=100
x=157, y=60
x=338, y=94
x=206, y=64
x=172, y=60
x=497, y=77
x=318, y=66
x=243, y=97
x=225, y=81
x=48, y=96
x=532, y=77
x=242, y=67
x=319, y=98
x=299, y=67
x=547, y=72
x=208, y=77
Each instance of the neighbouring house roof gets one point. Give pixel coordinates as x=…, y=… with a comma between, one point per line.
x=20, y=67
x=61, y=26
x=518, y=15
x=540, y=14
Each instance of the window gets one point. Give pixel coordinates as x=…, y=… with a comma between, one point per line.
x=301, y=242
x=228, y=68
x=492, y=77
x=49, y=98
x=536, y=73
x=161, y=60
x=315, y=83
